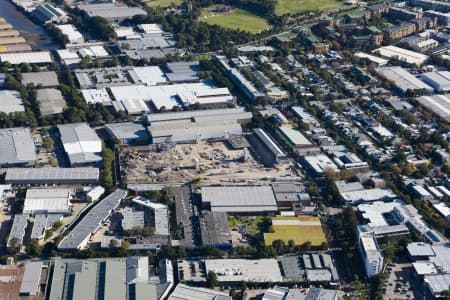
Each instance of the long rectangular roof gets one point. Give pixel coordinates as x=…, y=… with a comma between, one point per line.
x=42, y=57
x=31, y=278
x=238, y=113
x=16, y=146
x=92, y=220
x=110, y=10
x=240, y=198
x=185, y=292
x=438, y=104
x=403, y=79
x=50, y=175
x=401, y=54
x=48, y=200
x=18, y=228
x=235, y=270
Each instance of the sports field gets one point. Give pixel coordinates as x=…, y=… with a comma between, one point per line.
x=234, y=19
x=298, y=233
x=297, y=6
x=162, y=3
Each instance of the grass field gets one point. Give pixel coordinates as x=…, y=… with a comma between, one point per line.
x=296, y=6
x=298, y=233
x=235, y=19
x=163, y=3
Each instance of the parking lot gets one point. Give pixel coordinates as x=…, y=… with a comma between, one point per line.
x=397, y=285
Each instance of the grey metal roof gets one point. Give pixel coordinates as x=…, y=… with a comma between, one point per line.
x=238, y=113
x=183, y=71
x=16, y=146
x=291, y=267
x=45, y=79
x=110, y=10
x=51, y=175
x=39, y=226
x=215, y=229
x=240, y=198
x=185, y=292
x=51, y=101
x=269, y=143
x=18, y=228
x=420, y=249
x=31, y=278
x=127, y=130
x=91, y=221
x=109, y=278
x=76, y=132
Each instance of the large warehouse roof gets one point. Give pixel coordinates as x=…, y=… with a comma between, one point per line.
x=186, y=292
x=52, y=175
x=151, y=75
x=127, y=130
x=438, y=104
x=80, y=142
x=47, y=200
x=42, y=57
x=235, y=270
x=110, y=10
x=403, y=79
x=238, y=113
x=439, y=80
x=401, y=54
x=168, y=96
x=46, y=79
x=51, y=101
x=181, y=132
x=16, y=146
x=240, y=198
x=90, y=223
x=11, y=101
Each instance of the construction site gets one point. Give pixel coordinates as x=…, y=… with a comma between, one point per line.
x=211, y=162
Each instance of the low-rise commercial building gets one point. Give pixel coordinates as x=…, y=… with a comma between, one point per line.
x=110, y=11
x=114, y=278
x=239, y=199
x=402, y=55
x=231, y=271
x=81, y=143
x=78, y=238
x=48, y=201
x=128, y=132
x=11, y=101
x=52, y=176
x=403, y=80
x=16, y=147
x=437, y=104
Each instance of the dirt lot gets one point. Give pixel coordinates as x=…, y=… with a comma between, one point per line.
x=212, y=162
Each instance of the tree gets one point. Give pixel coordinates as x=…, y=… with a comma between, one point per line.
x=211, y=280
x=34, y=249
x=14, y=246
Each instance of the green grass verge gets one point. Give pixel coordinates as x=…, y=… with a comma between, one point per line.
x=297, y=6
x=235, y=19
x=163, y=3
